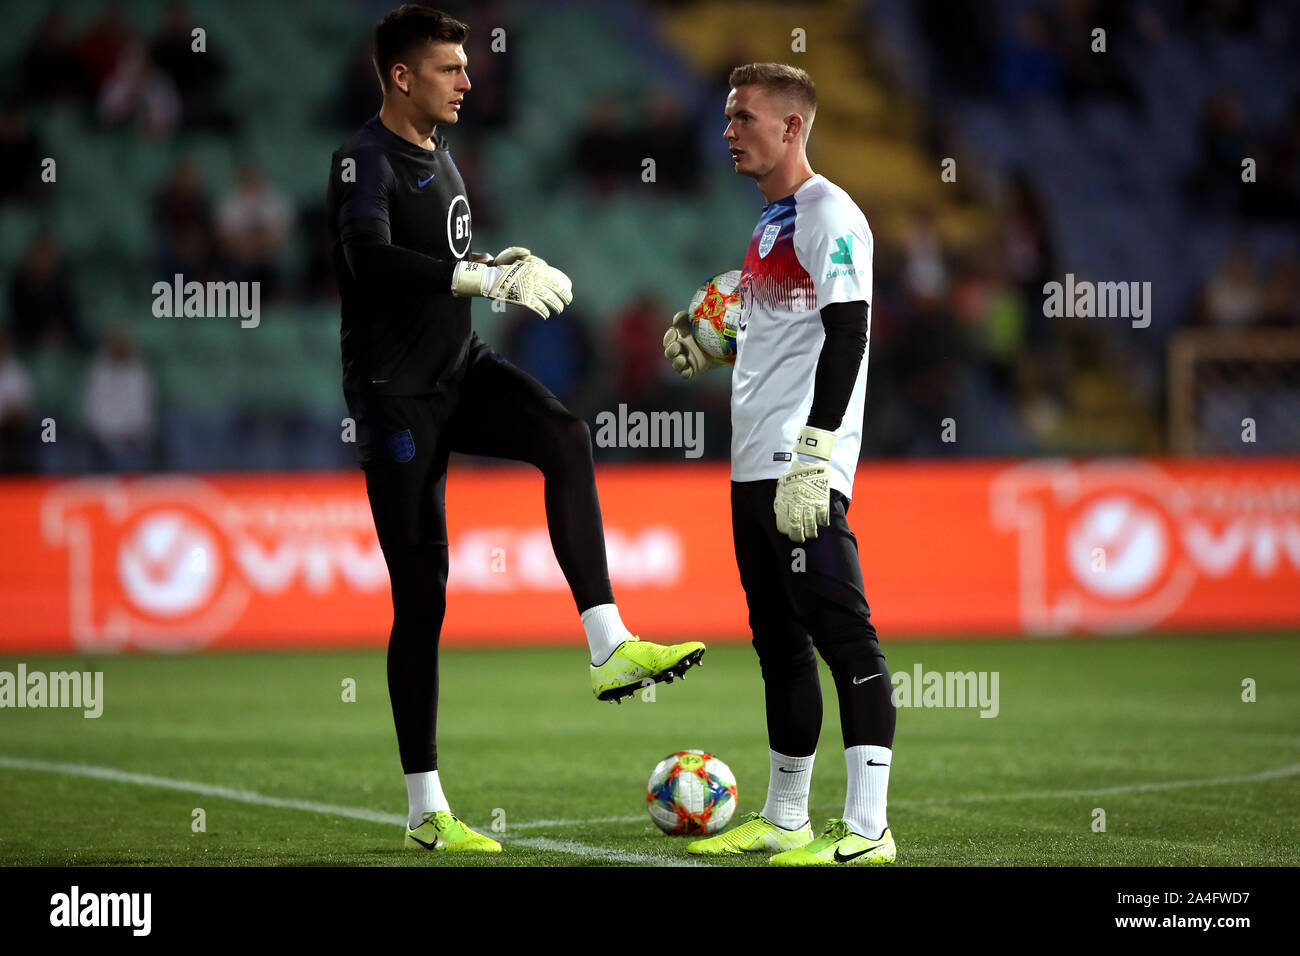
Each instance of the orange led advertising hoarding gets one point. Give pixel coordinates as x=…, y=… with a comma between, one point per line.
x=960, y=550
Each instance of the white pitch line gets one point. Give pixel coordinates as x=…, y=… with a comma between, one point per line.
x=204, y=789
x=1277, y=773
x=581, y=849
x=570, y=847
x=551, y=824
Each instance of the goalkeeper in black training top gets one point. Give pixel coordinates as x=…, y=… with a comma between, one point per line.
x=420, y=384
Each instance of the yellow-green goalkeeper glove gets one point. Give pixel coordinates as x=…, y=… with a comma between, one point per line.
x=803, y=494
x=526, y=281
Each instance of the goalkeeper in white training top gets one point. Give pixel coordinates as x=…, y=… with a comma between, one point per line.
x=797, y=397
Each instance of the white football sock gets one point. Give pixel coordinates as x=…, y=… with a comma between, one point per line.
x=864, y=807
x=423, y=795
x=787, y=790
x=605, y=631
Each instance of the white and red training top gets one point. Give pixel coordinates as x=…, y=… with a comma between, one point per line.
x=808, y=250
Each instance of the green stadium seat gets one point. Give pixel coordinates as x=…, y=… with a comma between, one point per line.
x=18, y=227
x=58, y=377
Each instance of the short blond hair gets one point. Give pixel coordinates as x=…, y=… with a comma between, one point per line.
x=781, y=79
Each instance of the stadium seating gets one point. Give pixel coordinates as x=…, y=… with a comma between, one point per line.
x=1112, y=180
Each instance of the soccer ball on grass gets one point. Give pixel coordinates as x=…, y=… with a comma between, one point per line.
x=691, y=792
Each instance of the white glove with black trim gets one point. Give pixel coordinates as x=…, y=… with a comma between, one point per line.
x=803, y=494
x=512, y=254
x=683, y=352
x=507, y=256
x=522, y=280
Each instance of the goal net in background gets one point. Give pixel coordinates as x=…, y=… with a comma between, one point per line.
x=1234, y=393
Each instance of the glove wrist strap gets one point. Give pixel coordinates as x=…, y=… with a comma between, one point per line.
x=815, y=442
x=473, y=278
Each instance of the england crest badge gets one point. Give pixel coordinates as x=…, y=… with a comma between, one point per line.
x=401, y=446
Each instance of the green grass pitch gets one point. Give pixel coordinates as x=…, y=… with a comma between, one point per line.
x=1152, y=731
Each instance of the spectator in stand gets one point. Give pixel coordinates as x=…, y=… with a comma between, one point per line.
x=992, y=311
x=1028, y=64
x=253, y=222
x=1090, y=76
x=608, y=154
x=197, y=74
x=639, y=363
x=21, y=154
x=1280, y=302
x=669, y=137
x=1275, y=195
x=353, y=103
x=318, y=281
x=41, y=305
x=1028, y=252
x=1223, y=137
x=493, y=72
x=1217, y=181
x=604, y=154
x=16, y=395
x=639, y=377
x=1214, y=18
x=931, y=354
x=103, y=45
x=50, y=70
x=183, y=217
x=719, y=80
x=1232, y=296
x=138, y=92
x=557, y=352
x=119, y=407
x=925, y=271
x=961, y=36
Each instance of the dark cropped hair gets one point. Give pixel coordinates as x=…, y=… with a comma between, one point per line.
x=408, y=28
